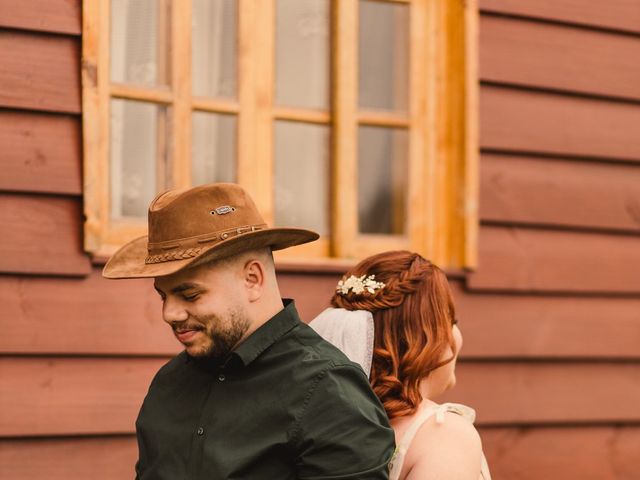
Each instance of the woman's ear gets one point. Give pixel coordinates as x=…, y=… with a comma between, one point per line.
x=254, y=279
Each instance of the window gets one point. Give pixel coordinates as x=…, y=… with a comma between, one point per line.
x=355, y=118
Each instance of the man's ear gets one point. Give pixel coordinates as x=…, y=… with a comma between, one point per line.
x=254, y=279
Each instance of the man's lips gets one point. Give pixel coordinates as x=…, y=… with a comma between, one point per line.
x=186, y=334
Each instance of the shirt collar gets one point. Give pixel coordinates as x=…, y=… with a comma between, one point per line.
x=266, y=335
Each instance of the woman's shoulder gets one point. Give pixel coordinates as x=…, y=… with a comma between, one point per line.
x=447, y=440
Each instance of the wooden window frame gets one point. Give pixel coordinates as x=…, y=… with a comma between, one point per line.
x=442, y=202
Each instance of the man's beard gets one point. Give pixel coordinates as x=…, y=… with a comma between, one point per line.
x=223, y=334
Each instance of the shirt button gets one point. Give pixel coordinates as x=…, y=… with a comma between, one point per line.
x=221, y=377
x=200, y=431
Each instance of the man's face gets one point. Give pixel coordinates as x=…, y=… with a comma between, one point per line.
x=206, y=308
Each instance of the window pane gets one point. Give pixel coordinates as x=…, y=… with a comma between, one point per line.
x=302, y=176
x=214, y=49
x=302, y=53
x=383, y=54
x=136, y=129
x=213, y=149
x=382, y=179
x=139, y=42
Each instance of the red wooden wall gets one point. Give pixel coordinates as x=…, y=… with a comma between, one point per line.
x=551, y=318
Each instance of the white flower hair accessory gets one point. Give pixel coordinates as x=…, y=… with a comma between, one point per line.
x=359, y=284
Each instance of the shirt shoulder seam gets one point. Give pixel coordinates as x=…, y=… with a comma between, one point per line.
x=307, y=399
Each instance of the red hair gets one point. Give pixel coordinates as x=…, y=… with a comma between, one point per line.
x=413, y=317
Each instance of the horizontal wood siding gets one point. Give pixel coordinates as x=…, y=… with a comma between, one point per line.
x=124, y=318
x=550, y=316
x=587, y=453
x=556, y=192
x=542, y=55
x=545, y=260
x=82, y=396
x=556, y=293
x=617, y=15
x=40, y=153
x=525, y=121
x=97, y=458
x=39, y=72
x=72, y=396
x=58, y=16
x=42, y=235
x=527, y=326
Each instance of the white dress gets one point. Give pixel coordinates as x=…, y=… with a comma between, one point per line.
x=395, y=466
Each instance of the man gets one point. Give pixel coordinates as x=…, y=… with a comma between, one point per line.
x=256, y=394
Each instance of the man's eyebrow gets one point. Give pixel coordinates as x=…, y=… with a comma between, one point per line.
x=179, y=289
x=184, y=286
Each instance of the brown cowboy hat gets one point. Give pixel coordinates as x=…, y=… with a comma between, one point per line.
x=191, y=226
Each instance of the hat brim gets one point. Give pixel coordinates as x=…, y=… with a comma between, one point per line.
x=129, y=260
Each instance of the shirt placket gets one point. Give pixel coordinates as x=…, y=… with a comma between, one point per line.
x=196, y=469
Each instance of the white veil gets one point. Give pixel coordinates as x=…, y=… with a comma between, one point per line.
x=350, y=331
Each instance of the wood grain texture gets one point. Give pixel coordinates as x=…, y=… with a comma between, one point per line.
x=623, y=15
x=97, y=458
x=535, y=54
x=40, y=153
x=41, y=235
x=549, y=392
x=72, y=396
x=39, y=72
x=106, y=317
x=526, y=453
x=124, y=318
x=85, y=396
x=570, y=453
x=559, y=192
x=525, y=121
x=58, y=16
x=534, y=326
x=536, y=260
x=111, y=317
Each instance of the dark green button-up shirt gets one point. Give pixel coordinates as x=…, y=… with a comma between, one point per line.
x=285, y=404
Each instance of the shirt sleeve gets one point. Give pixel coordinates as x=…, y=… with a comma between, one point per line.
x=343, y=432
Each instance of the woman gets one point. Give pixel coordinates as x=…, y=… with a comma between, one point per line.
x=393, y=313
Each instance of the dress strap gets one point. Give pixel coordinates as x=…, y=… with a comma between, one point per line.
x=436, y=410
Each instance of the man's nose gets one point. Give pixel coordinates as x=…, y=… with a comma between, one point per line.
x=173, y=311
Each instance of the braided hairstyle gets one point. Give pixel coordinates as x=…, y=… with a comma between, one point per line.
x=413, y=317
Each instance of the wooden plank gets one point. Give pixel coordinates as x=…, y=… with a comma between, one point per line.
x=86, y=396
x=39, y=72
x=256, y=70
x=580, y=453
x=535, y=54
x=623, y=15
x=544, y=191
x=69, y=458
x=124, y=318
x=41, y=235
x=95, y=124
x=58, y=16
x=529, y=393
x=108, y=317
x=40, y=153
x=536, y=260
x=179, y=127
x=306, y=115
x=535, y=326
x=112, y=317
x=525, y=121
x=72, y=396
x=571, y=453
x=160, y=94
x=344, y=145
